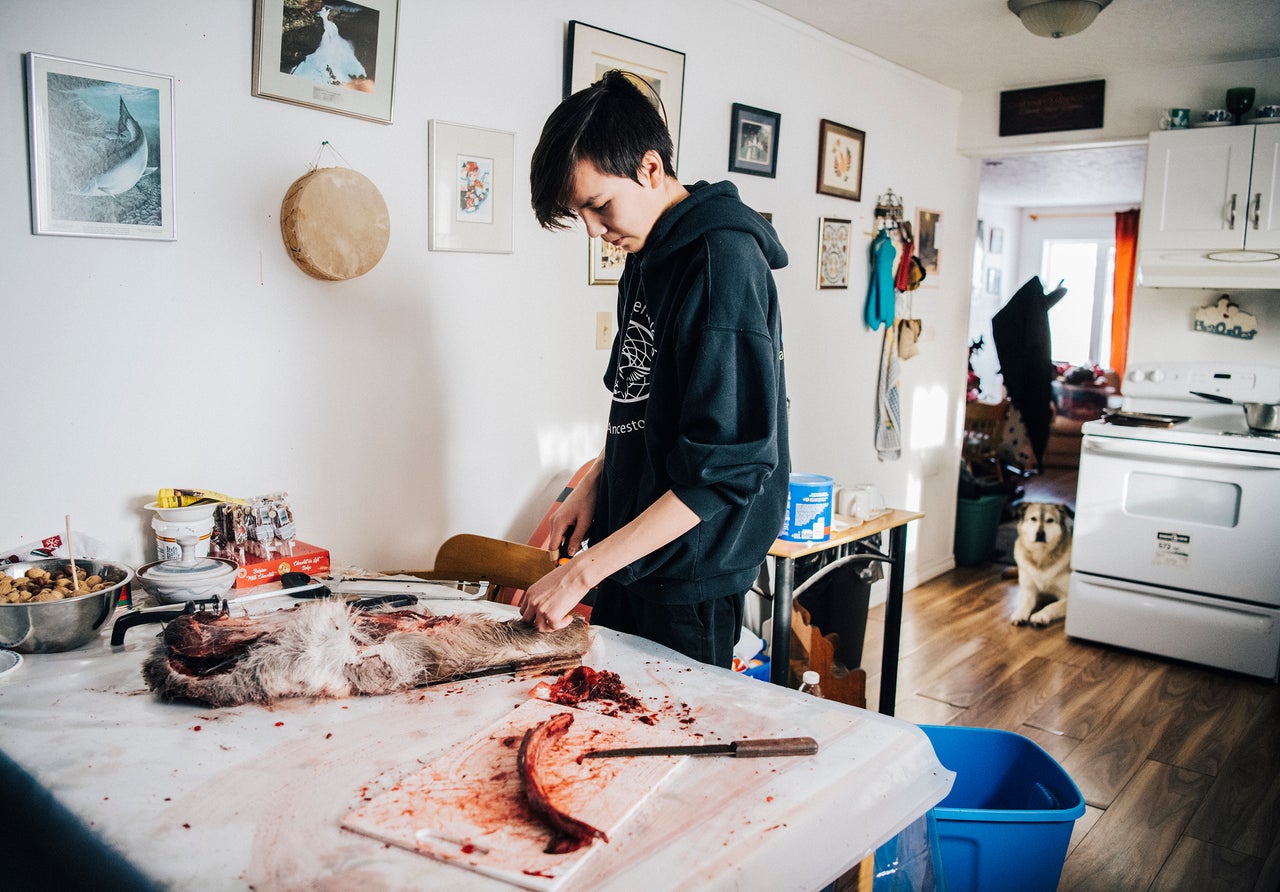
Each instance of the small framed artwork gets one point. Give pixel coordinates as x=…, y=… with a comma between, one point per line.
x=928, y=232
x=607, y=262
x=753, y=141
x=834, y=236
x=993, y=280
x=101, y=146
x=996, y=240
x=472, y=190
x=337, y=57
x=592, y=51
x=840, y=151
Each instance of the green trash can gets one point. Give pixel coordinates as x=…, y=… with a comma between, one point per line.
x=977, y=521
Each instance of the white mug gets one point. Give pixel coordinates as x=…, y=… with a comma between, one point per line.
x=866, y=501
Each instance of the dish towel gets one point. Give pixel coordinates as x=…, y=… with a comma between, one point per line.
x=879, y=309
x=888, y=401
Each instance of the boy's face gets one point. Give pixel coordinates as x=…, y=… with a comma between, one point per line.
x=619, y=210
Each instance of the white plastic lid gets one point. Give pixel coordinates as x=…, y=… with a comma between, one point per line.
x=810, y=677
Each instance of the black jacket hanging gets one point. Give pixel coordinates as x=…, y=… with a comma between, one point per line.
x=1024, y=348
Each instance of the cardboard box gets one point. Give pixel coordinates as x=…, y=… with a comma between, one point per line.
x=298, y=557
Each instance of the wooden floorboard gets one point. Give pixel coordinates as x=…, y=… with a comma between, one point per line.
x=1180, y=764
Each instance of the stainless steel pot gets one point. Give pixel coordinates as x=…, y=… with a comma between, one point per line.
x=38, y=627
x=1259, y=416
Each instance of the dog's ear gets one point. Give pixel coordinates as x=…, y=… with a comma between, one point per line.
x=1020, y=510
x=1069, y=511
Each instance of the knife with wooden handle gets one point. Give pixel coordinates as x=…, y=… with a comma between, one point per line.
x=742, y=749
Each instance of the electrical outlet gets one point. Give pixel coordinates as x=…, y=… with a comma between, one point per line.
x=604, y=331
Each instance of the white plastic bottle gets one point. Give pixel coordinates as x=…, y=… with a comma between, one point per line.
x=809, y=683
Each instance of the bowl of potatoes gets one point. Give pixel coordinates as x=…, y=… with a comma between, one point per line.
x=42, y=610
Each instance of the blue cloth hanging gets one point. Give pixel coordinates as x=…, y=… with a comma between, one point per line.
x=880, y=308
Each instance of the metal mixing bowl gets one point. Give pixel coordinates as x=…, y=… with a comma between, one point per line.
x=52, y=626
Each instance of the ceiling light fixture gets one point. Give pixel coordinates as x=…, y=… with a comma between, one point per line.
x=1057, y=18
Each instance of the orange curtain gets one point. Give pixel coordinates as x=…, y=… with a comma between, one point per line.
x=1122, y=294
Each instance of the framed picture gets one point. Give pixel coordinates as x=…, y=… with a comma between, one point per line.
x=840, y=151
x=592, y=51
x=340, y=58
x=101, y=149
x=993, y=280
x=834, y=236
x=472, y=188
x=928, y=232
x=996, y=243
x=753, y=141
x=607, y=262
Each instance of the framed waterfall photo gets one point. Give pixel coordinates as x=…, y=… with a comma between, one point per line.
x=101, y=144
x=339, y=58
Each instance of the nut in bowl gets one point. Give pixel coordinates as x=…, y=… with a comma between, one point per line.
x=42, y=611
x=188, y=578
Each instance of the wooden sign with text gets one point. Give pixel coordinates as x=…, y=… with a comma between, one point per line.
x=1048, y=109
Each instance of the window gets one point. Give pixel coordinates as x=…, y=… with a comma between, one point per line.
x=1080, y=323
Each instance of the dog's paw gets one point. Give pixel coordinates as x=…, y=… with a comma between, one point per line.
x=1041, y=619
x=1021, y=618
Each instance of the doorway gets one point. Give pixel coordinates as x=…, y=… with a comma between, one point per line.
x=1051, y=213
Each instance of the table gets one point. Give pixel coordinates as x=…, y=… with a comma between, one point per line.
x=252, y=797
x=845, y=532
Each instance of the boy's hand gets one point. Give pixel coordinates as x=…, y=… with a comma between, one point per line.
x=549, y=602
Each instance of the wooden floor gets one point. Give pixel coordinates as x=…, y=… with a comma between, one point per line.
x=1179, y=765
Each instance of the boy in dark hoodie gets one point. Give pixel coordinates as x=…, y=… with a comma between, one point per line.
x=690, y=490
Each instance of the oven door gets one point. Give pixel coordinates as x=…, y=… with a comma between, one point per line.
x=1208, y=631
x=1193, y=518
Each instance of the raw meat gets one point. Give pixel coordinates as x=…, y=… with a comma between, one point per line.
x=568, y=833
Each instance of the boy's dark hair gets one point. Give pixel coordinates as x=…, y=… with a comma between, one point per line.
x=612, y=124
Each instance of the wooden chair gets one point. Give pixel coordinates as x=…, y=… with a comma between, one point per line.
x=983, y=430
x=508, y=567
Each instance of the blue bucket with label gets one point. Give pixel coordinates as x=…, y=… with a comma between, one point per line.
x=808, y=509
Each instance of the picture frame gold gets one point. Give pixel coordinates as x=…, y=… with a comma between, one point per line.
x=291, y=63
x=928, y=231
x=606, y=262
x=840, y=154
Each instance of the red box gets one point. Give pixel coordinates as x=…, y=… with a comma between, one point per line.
x=298, y=557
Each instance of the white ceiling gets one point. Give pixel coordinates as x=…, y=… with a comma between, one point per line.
x=979, y=45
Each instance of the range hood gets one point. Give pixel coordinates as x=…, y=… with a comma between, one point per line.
x=1184, y=268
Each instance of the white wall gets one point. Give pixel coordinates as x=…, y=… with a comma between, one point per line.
x=439, y=393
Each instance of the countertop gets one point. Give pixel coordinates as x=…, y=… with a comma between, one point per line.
x=253, y=797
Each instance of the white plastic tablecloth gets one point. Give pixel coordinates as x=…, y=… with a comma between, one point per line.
x=253, y=797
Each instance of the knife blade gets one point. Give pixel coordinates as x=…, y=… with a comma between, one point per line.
x=742, y=749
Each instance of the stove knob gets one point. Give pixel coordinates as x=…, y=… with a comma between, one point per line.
x=1135, y=375
x=1155, y=376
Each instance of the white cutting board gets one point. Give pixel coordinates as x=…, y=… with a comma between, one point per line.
x=467, y=807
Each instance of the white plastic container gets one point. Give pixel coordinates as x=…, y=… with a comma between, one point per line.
x=168, y=532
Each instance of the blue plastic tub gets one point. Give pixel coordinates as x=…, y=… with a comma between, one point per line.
x=1007, y=821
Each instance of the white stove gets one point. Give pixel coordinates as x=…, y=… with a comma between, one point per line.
x=1168, y=390
x=1178, y=520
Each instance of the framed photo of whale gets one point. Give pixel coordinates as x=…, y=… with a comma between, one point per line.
x=338, y=57
x=101, y=148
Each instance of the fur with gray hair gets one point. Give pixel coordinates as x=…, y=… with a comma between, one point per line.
x=324, y=649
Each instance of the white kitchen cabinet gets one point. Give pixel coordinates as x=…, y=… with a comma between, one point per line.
x=1212, y=189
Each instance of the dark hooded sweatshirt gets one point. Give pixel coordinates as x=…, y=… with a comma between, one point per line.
x=699, y=397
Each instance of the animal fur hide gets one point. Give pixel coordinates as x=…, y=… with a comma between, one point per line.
x=325, y=649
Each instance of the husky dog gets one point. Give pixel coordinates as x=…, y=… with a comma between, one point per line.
x=1043, y=553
